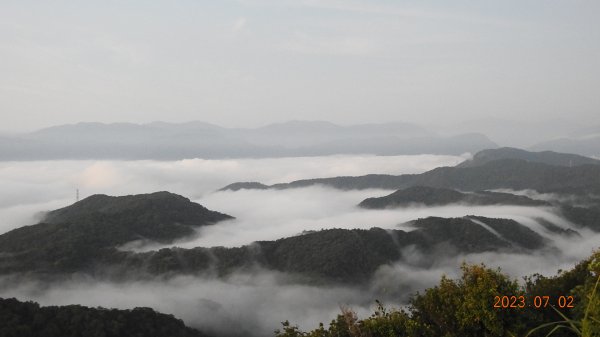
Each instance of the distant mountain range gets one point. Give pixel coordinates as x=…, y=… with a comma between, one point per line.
x=166, y=141
x=583, y=141
x=522, y=134
x=171, y=141
x=588, y=146
x=554, y=134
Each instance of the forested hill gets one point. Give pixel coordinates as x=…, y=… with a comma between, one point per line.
x=69, y=238
x=338, y=255
x=582, y=210
x=514, y=174
x=87, y=237
x=29, y=319
x=159, y=216
x=348, y=256
x=432, y=196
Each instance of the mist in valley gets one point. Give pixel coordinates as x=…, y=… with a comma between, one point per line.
x=132, y=98
x=254, y=302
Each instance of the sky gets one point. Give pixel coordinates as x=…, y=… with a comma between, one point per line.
x=247, y=63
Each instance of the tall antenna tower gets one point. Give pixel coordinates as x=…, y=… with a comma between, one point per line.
x=76, y=195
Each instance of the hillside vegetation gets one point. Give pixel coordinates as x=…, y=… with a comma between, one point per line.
x=84, y=239
x=465, y=308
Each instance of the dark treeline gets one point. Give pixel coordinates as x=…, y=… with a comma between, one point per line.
x=338, y=255
x=28, y=319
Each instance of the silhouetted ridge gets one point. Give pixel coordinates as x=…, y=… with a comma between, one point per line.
x=545, y=157
x=143, y=211
x=588, y=145
x=168, y=141
x=29, y=319
x=71, y=237
x=432, y=196
x=252, y=185
x=90, y=246
x=513, y=174
x=347, y=256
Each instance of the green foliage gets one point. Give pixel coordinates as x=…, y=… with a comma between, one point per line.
x=591, y=320
x=336, y=254
x=588, y=324
x=465, y=307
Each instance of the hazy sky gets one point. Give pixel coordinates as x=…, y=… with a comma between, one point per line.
x=251, y=62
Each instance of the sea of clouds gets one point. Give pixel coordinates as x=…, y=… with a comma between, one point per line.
x=255, y=303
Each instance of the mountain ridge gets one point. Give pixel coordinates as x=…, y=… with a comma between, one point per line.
x=516, y=174
x=85, y=238
x=431, y=196
x=172, y=141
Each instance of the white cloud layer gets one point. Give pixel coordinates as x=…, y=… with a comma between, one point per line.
x=259, y=301
x=31, y=187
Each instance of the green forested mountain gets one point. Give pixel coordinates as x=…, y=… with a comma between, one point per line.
x=349, y=256
x=588, y=217
x=85, y=237
x=160, y=216
x=70, y=238
x=29, y=319
x=432, y=196
x=517, y=174
x=89, y=244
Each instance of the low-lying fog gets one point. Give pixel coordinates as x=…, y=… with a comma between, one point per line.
x=259, y=301
x=32, y=187
x=273, y=214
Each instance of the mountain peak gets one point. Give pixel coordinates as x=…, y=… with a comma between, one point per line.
x=74, y=235
x=160, y=205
